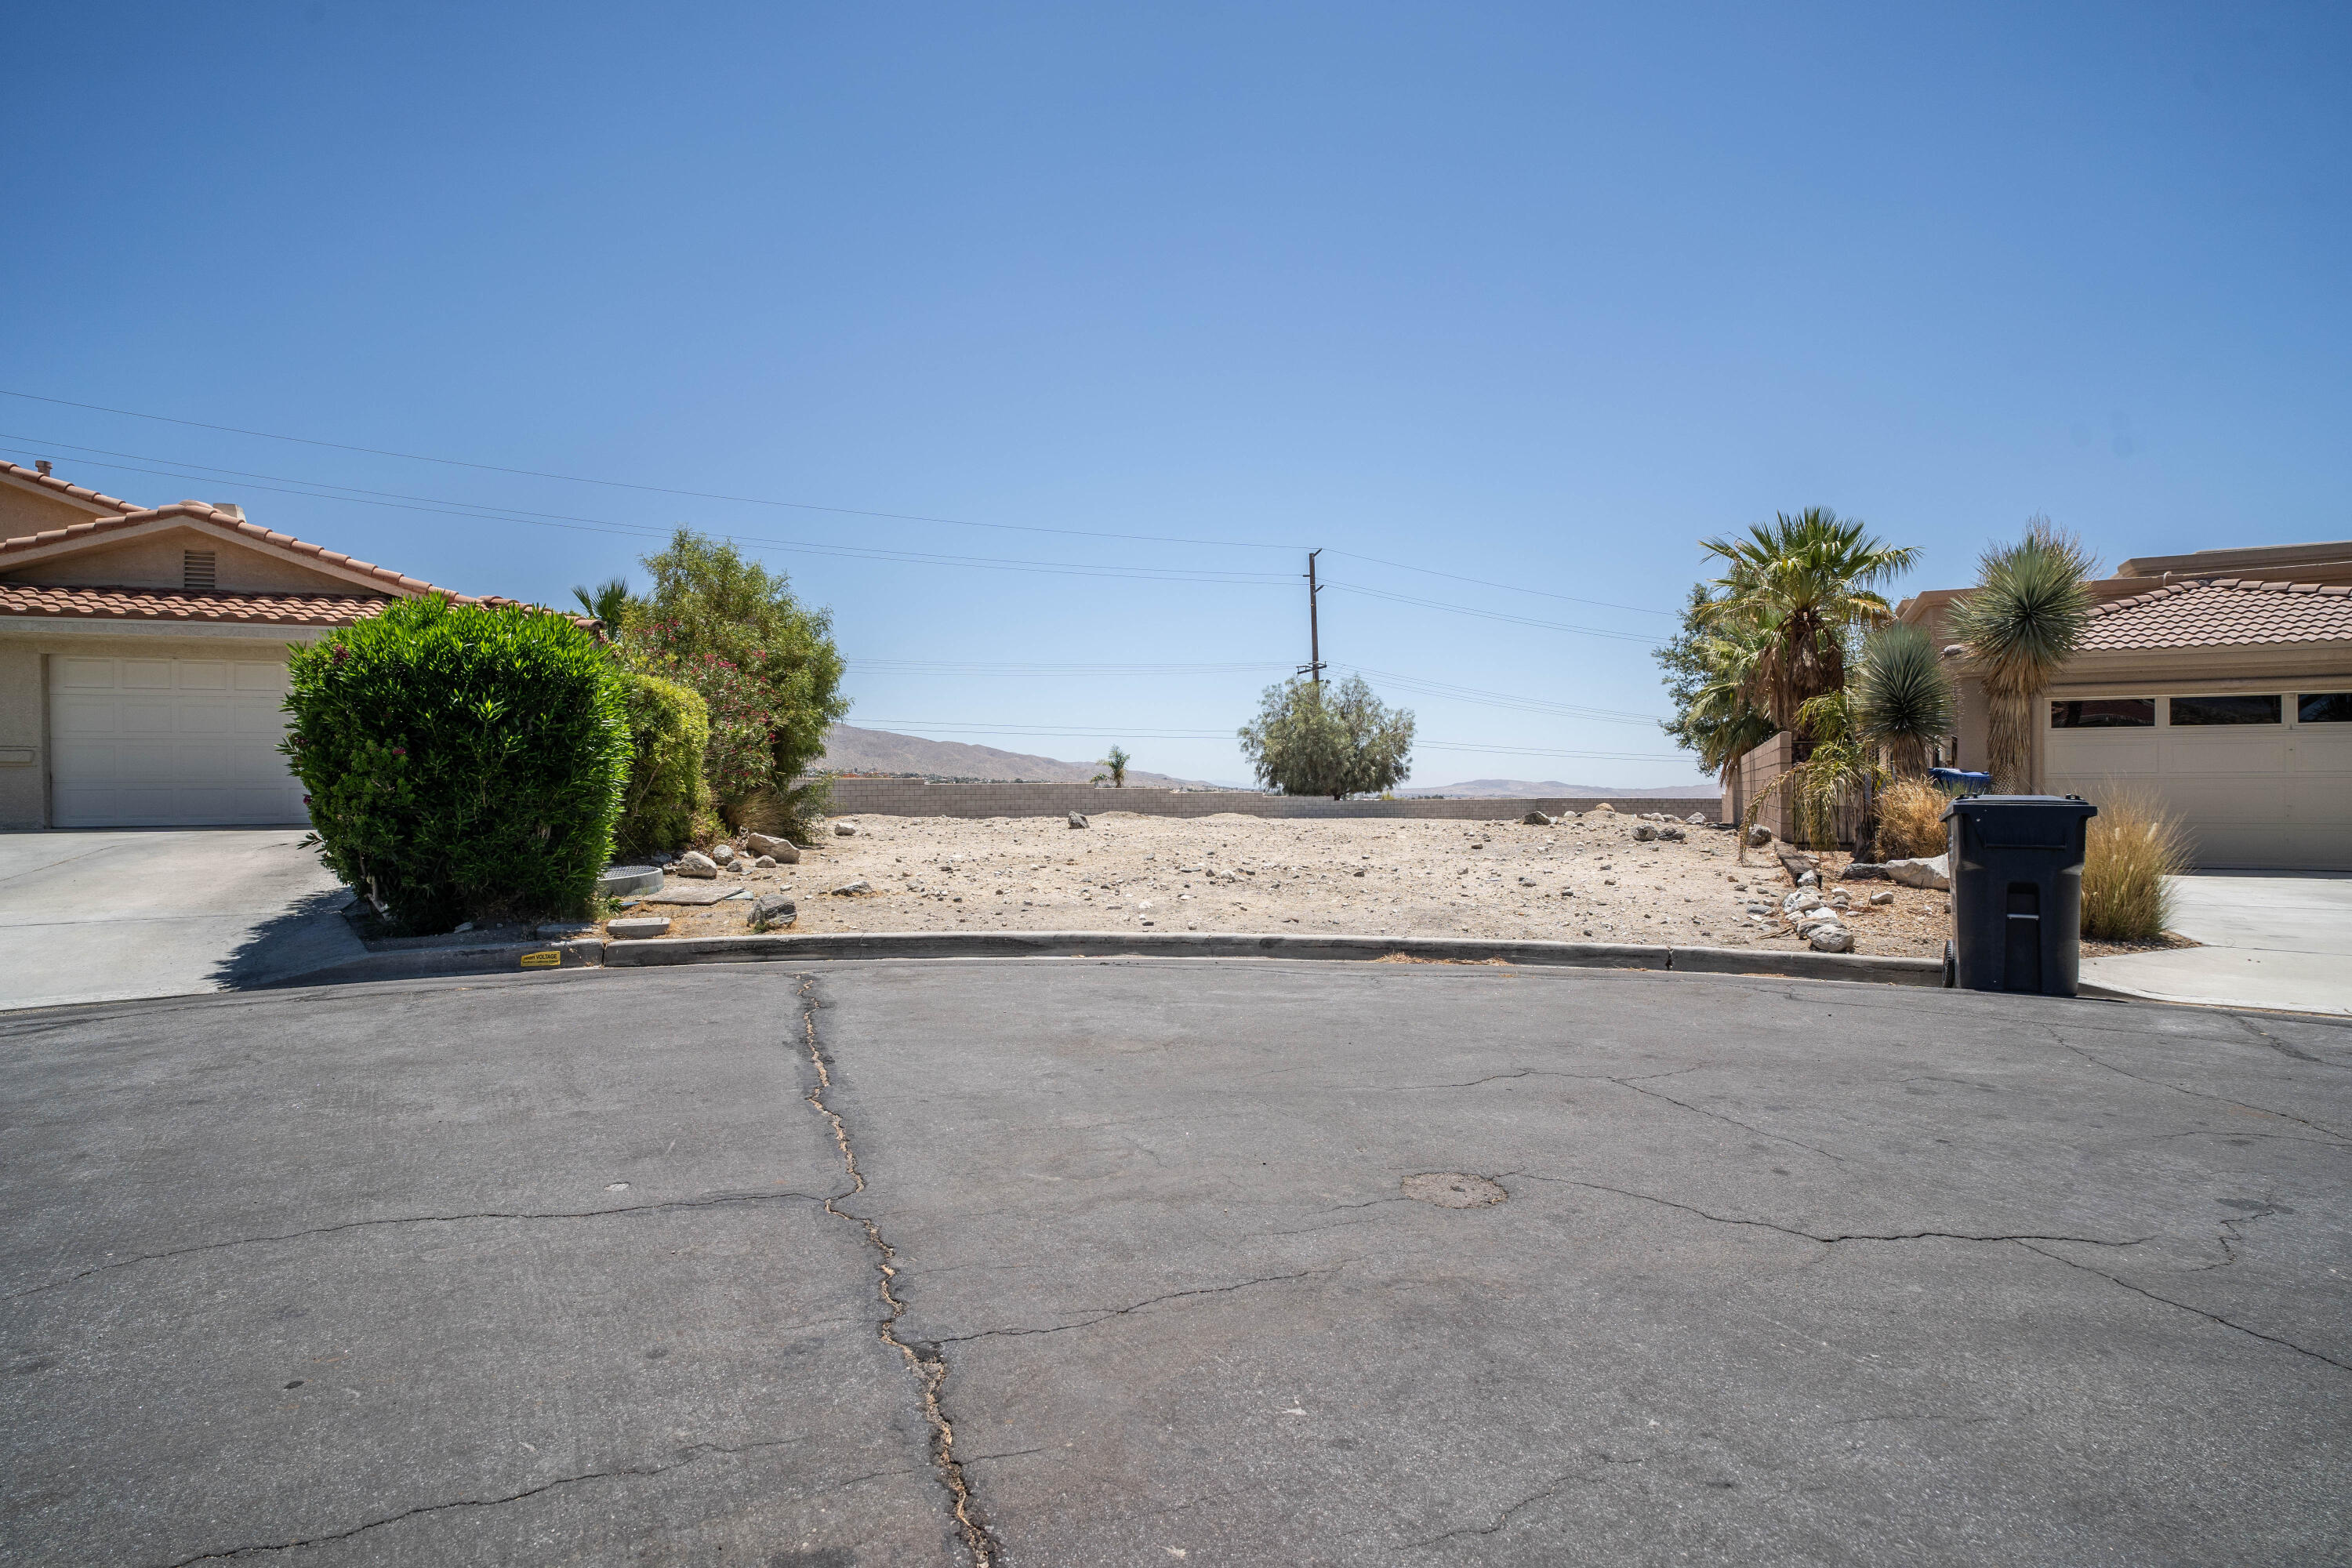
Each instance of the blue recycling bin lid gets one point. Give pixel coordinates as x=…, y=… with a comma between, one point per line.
x=1954, y=779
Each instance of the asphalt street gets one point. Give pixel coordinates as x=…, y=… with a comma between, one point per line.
x=1079, y=1262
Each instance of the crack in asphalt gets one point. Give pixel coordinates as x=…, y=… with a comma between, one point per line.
x=930, y=1372
x=1550, y=1489
x=692, y=1452
x=2169, y=1301
x=2275, y=1042
x=715, y=1201
x=1635, y=1085
x=1825, y=1240
x=2066, y=1045
x=1104, y=1314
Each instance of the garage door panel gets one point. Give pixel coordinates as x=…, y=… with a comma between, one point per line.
x=153, y=743
x=2245, y=794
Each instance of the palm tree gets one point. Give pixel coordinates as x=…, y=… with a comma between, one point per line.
x=607, y=601
x=2020, y=625
x=1806, y=584
x=1117, y=762
x=1902, y=697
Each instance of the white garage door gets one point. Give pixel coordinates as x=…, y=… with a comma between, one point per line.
x=2259, y=779
x=168, y=742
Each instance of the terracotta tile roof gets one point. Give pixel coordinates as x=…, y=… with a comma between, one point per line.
x=199, y=605
x=51, y=482
x=98, y=527
x=2223, y=612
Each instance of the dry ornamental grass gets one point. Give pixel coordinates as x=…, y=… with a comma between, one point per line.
x=2130, y=847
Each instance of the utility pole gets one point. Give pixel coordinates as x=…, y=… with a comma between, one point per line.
x=1313, y=668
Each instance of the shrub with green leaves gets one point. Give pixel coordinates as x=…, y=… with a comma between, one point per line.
x=666, y=804
x=461, y=761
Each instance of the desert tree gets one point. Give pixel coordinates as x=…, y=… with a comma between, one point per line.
x=1337, y=739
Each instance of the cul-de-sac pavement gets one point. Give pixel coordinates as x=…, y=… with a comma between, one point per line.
x=1079, y=1262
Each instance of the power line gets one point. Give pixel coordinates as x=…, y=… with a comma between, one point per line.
x=800, y=506
x=1414, y=683
x=1490, y=614
x=1508, y=588
x=650, y=490
x=440, y=506
x=946, y=667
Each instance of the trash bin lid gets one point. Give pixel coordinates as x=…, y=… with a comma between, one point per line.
x=1975, y=804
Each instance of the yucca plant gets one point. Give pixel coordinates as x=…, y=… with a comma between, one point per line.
x=2020, y=625
x=1902, y=699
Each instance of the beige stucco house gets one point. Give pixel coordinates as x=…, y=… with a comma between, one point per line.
x=2218, y=683
x=142, y=655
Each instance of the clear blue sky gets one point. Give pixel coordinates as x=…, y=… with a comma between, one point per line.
x=1536, y=295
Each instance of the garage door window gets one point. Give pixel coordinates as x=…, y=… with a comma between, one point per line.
x=2239, y=710
x=2324, y=708
x=2103, y=713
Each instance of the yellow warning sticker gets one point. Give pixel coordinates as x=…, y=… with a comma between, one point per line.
x=548, y=960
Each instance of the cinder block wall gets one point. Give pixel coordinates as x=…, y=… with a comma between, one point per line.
x=912, y=797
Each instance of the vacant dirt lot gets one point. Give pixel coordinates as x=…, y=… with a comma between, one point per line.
x=1585, y=878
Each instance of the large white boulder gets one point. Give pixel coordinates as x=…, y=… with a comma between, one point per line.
x=1918, y=873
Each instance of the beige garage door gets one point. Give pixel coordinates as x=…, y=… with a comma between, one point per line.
x=168, y=742
x=2259, y=779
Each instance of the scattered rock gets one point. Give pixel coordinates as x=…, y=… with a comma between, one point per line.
x=1863, y=871
x=785, y=851
x=1604, y=806
x=1675, y=833
x=1809, y=879
x=1883, y=896
x=723, y=853
x=848, y=890
x=1534, y=819
x=845, y=829
x=1696, y=819
x=1839, y=899
x=664, y=857
x=1831, y=937
x=638, y=928
x=1643, y=832
x=1077, y=819
x=764, y=862
x=695, y=863
x=1758, y=836
x=1936, y=873
x=1802, y=899
x=769, y=910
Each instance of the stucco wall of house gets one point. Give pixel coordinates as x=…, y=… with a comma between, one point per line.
x=158, y=560
x=25, y=509
x=23, y=690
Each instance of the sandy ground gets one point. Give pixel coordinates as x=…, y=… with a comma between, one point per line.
x=1584, y=879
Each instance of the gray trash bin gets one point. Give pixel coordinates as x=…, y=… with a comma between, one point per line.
x=2017, y=892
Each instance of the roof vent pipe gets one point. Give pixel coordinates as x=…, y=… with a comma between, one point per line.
x=229, y=509
x=41, y=467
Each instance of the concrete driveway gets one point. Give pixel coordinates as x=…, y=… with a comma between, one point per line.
x=2275, y=939
x=1089, y=1262
x=109, y=915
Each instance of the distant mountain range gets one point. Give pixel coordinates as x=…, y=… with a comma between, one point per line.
x=850, y=750
x=1489, y=789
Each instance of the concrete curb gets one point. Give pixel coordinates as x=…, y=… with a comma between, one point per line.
x=591, y=953
x=665, y=951
x=2106, y=991
x=428, y=963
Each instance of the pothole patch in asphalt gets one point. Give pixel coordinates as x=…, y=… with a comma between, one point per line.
x=1453, y=1190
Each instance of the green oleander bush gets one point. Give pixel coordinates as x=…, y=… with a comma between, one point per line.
x=666, y=802
x=462, y=761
